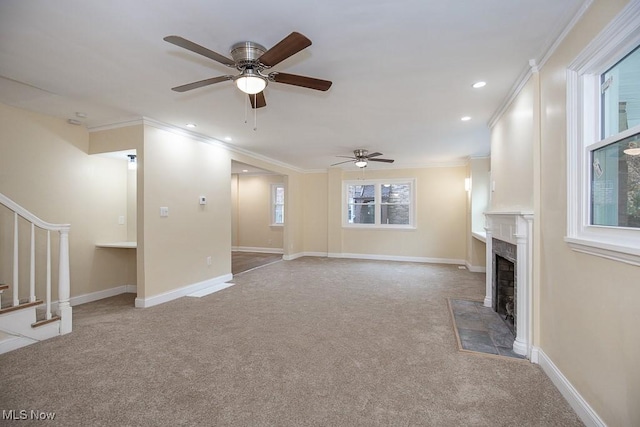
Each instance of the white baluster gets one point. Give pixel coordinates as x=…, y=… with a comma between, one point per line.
x=64, y=284
x=48, y=302
x=16, y=265
x=32, y=266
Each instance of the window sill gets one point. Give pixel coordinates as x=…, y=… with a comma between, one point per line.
x=626, y=254
x=379, y=227
x=276, y=225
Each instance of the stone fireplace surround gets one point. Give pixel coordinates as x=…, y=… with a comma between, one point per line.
x=515, y=228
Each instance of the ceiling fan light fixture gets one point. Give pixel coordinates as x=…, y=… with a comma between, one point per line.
x=361, y=163
x=251, y=82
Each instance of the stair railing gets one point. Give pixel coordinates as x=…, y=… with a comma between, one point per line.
x=64, y=283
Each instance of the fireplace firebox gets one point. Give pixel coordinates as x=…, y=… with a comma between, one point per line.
x=504, y=301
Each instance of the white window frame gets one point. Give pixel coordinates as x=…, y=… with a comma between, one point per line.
x=377, y=183
x=619, y=38
x=274, y=189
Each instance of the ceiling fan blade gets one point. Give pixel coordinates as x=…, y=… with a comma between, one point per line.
x=339, y=163
x=376, y=154
x=193, y=47
x=286, y=47
x=258, y=100
x=296, y=80
x=347, y=157
x=201, y=83
x=382, y=160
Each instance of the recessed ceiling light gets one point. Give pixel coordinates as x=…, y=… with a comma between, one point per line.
x=191, y=125
x=245, y=170
x=478, y=85
x=465, y=118
x=227, y=138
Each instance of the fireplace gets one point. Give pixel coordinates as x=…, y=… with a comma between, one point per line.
x=509, y=273
x=504, y=290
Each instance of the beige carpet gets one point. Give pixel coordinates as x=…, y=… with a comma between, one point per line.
x=314, y=341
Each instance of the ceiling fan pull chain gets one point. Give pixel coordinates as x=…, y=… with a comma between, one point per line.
x=246, y=109
x=255, y=112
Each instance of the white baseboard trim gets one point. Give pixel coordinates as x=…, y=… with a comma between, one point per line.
x=208, y=291
x=397, y=258
x=475, y=268
x=586, y=413
x=98, y=295
x=382, y=258
x=535, y=355
x=10, y=343
x=181, y=292
x=301, y=254
x=256, y=249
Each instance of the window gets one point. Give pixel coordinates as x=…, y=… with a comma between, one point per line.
x=277, y=204
x=603, y=135
x=375, y=203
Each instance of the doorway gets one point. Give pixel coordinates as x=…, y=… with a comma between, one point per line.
x=257, y=220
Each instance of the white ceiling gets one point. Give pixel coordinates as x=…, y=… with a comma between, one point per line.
x=402, y=70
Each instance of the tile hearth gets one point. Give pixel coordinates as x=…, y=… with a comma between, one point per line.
x=480, y=329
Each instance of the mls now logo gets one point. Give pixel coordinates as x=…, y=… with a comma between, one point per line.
x=23, y=414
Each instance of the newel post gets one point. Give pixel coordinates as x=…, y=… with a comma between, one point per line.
x=64, y=284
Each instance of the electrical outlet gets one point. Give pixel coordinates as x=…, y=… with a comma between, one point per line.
x=208, y=260
x=164, y=211
x=121, y=220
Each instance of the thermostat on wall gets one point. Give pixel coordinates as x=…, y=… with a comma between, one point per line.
x=203, y=200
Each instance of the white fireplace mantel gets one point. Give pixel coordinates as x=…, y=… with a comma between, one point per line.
x=515, y=228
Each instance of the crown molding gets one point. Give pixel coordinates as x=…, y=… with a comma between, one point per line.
x=535, y=65
x=210, y=140
x=116, y=125
x=193, y=135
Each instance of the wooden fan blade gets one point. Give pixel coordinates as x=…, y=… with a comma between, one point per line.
x=382, y=160
x=258, y=100
x=201, y=83
x=376, y=154
x=339, y=163
x=196, y=48
x=286, y=47
x=296, y=80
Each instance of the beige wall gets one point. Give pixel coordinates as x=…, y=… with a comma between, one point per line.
x=512, y=154
x=177, y=170
x=479, y=169
x=586, y=306
x=251, y=210
x=45, y=167
x=477, y=256
x=441, y=231
x=315, y=211
x=589, y=305
x=234, y=210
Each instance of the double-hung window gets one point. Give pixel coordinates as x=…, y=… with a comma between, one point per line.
x=379, y=203
x=277, y=204
x=603, y=141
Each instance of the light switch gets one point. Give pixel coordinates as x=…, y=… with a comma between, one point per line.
x=164, y=211
x=203, y=200
x=121, y=220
